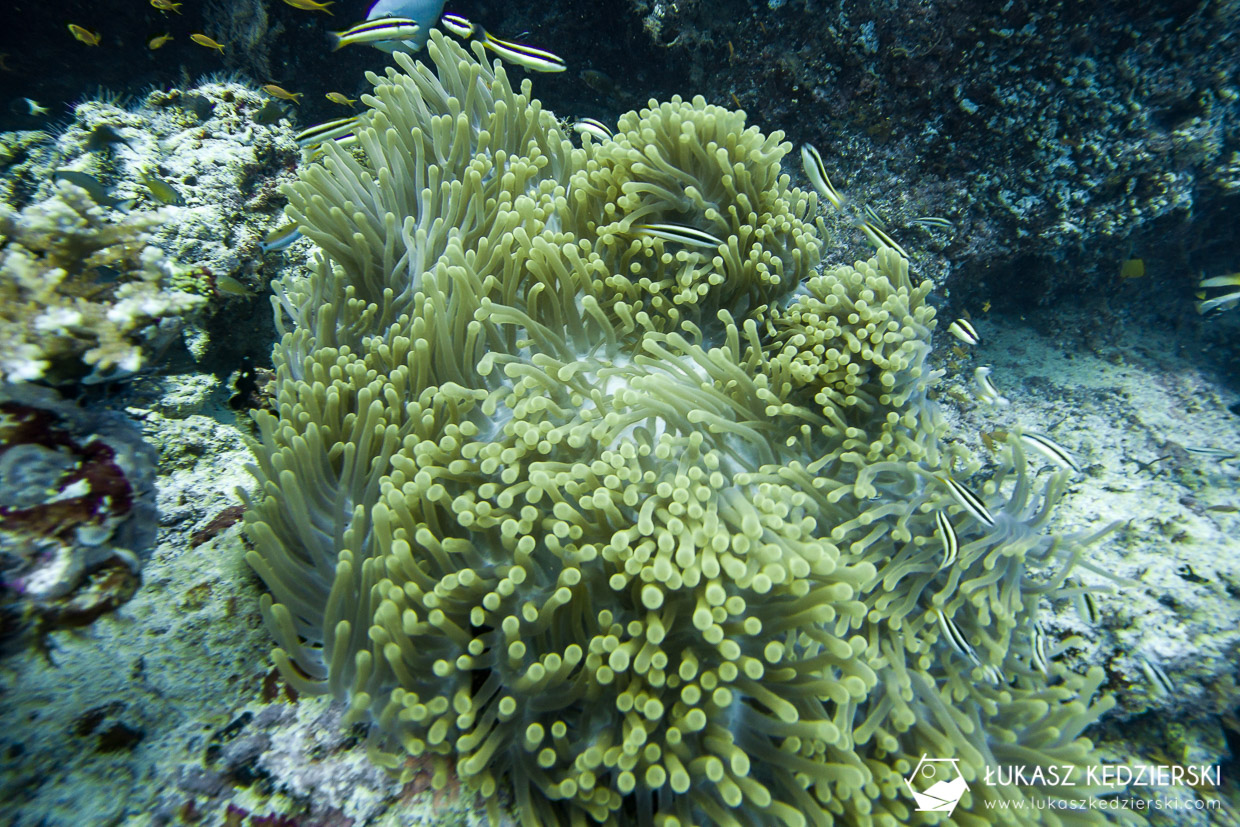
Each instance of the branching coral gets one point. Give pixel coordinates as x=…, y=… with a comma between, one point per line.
x=622, y=524
x=78, y=292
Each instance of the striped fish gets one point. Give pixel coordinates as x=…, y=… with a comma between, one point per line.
x=933, y=221
x=458, y=25
x=986, y=390
x=874, y=218
x=1038, y=655
x=380, y=30
x=951, y=542
x=880, y=239
x=1087, y=608
x=596, y=129
x=678, y=233
x=1050, y=449
x=536, y=60
x=955, y=638
x=964, y=331
x=1213, y=453
x=816, y=172
x=326, y=131
x=969, y=501
x=317, y=151
x=1158, y=679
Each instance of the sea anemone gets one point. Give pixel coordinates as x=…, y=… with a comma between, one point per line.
x=620, y=525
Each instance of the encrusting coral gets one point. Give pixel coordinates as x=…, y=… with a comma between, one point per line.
x=79, y=294
x=637, y=528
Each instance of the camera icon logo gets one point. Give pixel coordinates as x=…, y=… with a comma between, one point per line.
x=937, y=785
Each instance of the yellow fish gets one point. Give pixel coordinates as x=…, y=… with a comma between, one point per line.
x=156, y=42
x=166, y=5
x=203, y=40
x=336, y=97
x=282, y=94
x=310, y=5
x=1133, y=268
x=85, y=35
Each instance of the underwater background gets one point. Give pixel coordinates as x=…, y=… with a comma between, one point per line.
x=630, y=413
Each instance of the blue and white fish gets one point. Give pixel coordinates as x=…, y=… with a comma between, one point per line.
x=280, y=238
x=425, y=13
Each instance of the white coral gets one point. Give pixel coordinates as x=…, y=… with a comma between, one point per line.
x=52, y=308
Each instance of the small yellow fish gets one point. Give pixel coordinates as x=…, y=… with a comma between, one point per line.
x=166, y=5
x=336, y=97
x=310, y=5
x=992, y=438
x=156, y=42
x=203, y=40
x=986, y=306
x=282, y=94
x=38, y=109
x=161, y=190
x=1133, y=268
x=85, y=35
x=228, y=286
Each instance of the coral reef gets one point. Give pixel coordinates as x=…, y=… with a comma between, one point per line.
x=198, y=171
x=1049, y=136
x=208, y=143
x=80, y=294
x=572, y=490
